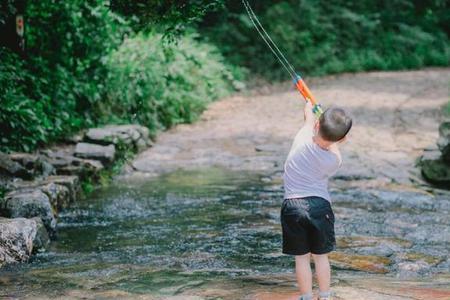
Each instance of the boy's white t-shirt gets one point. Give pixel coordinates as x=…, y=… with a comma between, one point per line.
x=308, y=167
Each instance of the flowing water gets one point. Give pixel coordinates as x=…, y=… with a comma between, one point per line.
x=215, y=233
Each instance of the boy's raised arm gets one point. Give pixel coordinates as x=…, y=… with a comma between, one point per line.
x=309, y=115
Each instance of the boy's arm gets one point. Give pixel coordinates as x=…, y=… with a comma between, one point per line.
x=310, y=118
x=307, y=129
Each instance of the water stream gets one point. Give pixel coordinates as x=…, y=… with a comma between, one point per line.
x=189, y=232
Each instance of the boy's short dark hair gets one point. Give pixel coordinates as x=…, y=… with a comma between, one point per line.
x=334, y=124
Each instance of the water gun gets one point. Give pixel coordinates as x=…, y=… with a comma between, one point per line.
x=306, y=93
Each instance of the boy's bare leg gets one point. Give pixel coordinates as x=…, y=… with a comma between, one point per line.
x=303, y=273
x=323, y=271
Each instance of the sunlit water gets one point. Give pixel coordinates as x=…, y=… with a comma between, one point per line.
x=168, y=234
x=150, y=235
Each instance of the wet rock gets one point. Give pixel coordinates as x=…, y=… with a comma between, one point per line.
x=30, y=162
x=366, y=263
x=8, y=167
x=431, y=155
x=58, y=194
x=444, y=140
x=436, y=172
x=41, y=240
x=444, y=129
x=67, y=164
x=29, y=204
x=414, y=264
x=378, y=246
x=415, y=257
x=409, y=269
x=76, y=138
x=19, y=238
x=120, y=134
x=92, y=151
x=77, y=166
x=72, y=183
x=35, y=164
x=371, y=241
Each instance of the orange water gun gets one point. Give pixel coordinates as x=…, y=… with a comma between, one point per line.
x=306, y=93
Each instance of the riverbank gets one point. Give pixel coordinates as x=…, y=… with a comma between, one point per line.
x=36, y=187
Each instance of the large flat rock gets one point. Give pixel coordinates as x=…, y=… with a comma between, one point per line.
x=66, y=163
x=93, y=151
x=119, y=134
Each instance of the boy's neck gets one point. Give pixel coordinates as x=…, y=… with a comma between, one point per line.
x=325, y=145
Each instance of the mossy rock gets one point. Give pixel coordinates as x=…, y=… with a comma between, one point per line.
x=365, y=263
x=444, y=129
x=436, y=172
x=444, y=141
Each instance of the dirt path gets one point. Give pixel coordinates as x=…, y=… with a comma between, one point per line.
x=396, y=116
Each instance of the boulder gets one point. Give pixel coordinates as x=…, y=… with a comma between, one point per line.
x=436, y=171
x=92, y=151
x=444, y=129
x=41, y=240
x=29, y=204
x=135, y=135
x=72, y=183
x=19, y=238
x=58, y=194
x=8, y=167
x=443, y=144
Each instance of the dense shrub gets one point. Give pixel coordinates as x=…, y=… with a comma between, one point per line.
x=23, y=120
x=335, y=36
x=160, y=84
x=56, y=88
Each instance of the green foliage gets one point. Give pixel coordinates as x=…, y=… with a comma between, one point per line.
x=68, y=42
x=57, y=88
x=78, y=72
x=322, y=37
x=174, y=16
x=23, y=120
x=160, y=84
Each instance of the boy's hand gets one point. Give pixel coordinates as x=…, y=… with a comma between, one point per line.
x=308, y=113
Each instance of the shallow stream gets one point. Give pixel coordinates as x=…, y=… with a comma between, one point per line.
x=215, y=234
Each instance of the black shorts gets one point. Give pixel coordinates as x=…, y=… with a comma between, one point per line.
x=308, y=226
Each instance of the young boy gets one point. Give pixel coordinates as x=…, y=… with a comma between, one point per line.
x=306, y=215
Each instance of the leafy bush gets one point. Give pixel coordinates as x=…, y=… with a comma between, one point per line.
x=22, y=119
x=329, y=37
x=57, y=88
x=160, y=84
